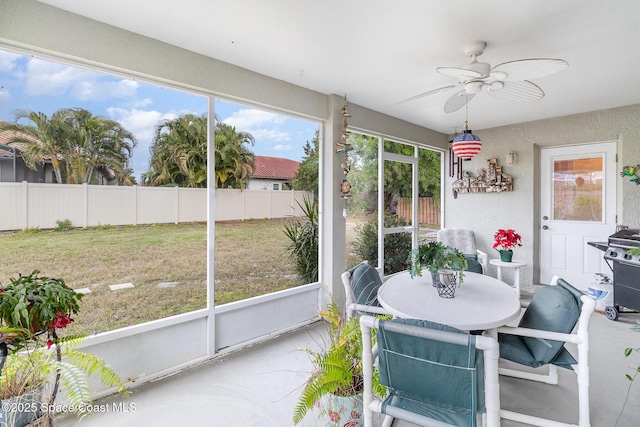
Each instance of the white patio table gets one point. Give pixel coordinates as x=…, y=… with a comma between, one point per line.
x=480, y=303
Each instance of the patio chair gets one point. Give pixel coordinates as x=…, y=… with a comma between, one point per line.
x=557, y=314
x=465, y=241
x=361, y=284
x=434, y=374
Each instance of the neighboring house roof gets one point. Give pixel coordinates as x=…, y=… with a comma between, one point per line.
x=5, y=139
x=274, y=168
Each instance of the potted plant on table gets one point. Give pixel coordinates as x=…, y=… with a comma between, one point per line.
x=337, y=374
x=504, y=241
x=35, y=362
x=436, y=256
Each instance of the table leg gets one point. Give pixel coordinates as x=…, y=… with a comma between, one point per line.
x=499, y=270
x=516, y=280
x=493, y=333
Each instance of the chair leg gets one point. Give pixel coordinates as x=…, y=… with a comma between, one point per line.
x=583, y=395
x=388, y=420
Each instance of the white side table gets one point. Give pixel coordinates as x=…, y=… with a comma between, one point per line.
x=516, y=265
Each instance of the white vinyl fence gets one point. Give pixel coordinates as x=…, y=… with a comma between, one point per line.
x=27, y=205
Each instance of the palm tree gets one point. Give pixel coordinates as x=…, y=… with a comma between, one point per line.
x=94, y=143
x=234, y=162
x=77, y=143
x=179, y=154
x=44, y=139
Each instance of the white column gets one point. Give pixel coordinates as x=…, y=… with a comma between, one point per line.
x=332, y=223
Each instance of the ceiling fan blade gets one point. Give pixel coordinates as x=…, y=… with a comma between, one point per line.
x=457, y=101
x=526, y=69
x=459, y=72
x=516, y=91
x=431, y=92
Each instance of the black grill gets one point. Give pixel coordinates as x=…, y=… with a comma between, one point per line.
x=625, y=267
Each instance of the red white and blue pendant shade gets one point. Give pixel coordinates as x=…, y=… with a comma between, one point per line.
x=466, y=145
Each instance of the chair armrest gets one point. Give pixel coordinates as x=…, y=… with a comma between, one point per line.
x=538, y=333
x=483, y=259
x=368, y=309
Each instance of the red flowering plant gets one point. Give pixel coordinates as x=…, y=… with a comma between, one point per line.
x=33, y=306
x=32, y=311
x=506, y=239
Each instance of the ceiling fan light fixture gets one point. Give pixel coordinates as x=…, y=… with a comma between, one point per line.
x=467, y=144
x=495, y=86
x=473, y=87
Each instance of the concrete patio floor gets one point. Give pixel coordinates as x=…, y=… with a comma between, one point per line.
x=258, y=386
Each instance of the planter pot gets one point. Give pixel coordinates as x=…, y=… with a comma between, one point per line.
x=435, y=279
x=21, y=410
x=340, y=411
x=448, y=283
x=506, y=255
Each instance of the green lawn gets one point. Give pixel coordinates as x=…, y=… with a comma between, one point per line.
x=250, y=260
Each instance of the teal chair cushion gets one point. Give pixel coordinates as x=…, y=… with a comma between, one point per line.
x=365, y=282
x=553, y=308
x=425, y=376
x=473, y=265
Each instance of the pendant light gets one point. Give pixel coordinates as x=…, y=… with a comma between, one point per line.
x=466, y=145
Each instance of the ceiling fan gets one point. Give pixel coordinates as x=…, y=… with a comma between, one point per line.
x=506, y=81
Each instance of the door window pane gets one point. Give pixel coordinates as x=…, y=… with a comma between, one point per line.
x=578, y=189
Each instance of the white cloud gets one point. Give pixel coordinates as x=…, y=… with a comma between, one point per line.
x=50, y=78
x=270, y=134
x=8, y=61
x=264, y=126
x=247, y=118
x=142, y=102
x=283, y=147
x=101, y=89
x=140, y=122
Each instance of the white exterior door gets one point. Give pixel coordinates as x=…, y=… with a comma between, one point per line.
x=578, y=191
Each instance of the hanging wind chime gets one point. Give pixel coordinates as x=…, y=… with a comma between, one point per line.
x=344, y=147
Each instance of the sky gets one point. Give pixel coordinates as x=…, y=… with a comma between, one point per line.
x=35, y=84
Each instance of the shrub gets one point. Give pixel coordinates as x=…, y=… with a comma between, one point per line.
x=63, y=225
x=303, y=248
x=396, y=246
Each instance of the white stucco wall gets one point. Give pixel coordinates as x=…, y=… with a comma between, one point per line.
x=487, y=212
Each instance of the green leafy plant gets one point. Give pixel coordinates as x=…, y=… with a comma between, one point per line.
x=33, y=303
x=63, y=225
x=337, y=369
x=396, y=246
x=304, y=237
x=634, y=251
x=32, y=311
x=628, y=352
x=436, y=256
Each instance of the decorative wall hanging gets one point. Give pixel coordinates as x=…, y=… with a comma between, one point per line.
x=493, y=180
x=632, y=172
x=344, y=147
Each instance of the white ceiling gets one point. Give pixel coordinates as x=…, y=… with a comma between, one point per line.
x=378, y=53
